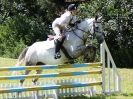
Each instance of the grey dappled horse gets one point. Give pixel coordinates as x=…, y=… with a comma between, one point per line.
x=75, y=44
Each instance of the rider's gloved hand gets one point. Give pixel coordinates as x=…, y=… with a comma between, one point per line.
x=72, y=25
x=78, y=21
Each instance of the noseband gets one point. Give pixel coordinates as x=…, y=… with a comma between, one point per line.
x=94, y=27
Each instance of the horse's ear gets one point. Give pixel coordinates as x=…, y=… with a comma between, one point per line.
x=96, y=17
x=99, y=18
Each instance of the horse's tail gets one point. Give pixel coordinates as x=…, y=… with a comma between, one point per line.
x=22, y=56
x=20, y=59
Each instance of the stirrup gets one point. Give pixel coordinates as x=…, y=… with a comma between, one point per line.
x=57, y=55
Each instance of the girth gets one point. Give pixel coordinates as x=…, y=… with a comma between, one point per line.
x=66, y=53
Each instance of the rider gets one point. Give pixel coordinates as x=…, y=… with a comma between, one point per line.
x=66, y=19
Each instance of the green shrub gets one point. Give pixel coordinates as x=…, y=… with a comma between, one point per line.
x=18, y=32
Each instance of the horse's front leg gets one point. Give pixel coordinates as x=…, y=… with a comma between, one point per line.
x=79, y=50
x=90, y=53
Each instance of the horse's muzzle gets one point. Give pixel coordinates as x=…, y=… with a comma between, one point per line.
x=100, y=37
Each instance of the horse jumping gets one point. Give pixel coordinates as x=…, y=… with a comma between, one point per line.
x=41, y=53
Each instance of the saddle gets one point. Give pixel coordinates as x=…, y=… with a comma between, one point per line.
x=52, y=37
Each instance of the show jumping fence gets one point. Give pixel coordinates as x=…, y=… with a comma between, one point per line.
x=57, y=80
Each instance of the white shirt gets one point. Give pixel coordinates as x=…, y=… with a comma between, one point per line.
x=64, y=19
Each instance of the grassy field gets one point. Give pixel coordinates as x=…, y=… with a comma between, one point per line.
x=126, y=82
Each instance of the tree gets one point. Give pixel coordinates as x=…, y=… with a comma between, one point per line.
x=24, y=22
x=117, y=24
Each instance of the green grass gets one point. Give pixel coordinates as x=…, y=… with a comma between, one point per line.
x=7, y=62
x=126, y=82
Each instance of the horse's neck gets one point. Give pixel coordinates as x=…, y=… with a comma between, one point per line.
x=87, y=24
x=73, y=41
x=75, y=37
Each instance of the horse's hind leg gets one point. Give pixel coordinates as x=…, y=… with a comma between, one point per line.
x=36, y=79
x=37, y=72
x=25, y=73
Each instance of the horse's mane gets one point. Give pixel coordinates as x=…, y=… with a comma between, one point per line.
x=85, y=20
x=89, y=19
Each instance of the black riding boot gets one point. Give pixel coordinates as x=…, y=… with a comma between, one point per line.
x=57, y=49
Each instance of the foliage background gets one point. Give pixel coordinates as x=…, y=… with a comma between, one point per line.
x=23, y=22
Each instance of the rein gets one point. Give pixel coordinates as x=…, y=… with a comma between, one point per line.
x=82, y=31
x=87, y=32
x=79, y=36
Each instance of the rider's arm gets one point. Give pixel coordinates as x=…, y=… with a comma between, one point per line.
x=64, y=20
